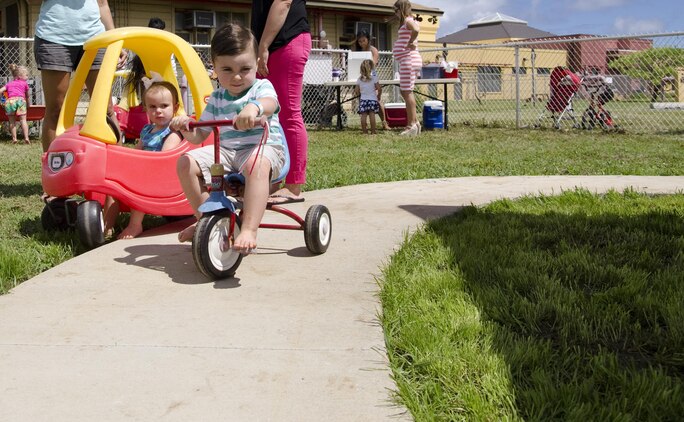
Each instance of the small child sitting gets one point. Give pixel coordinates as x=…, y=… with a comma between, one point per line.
x=244, y=99
x=368, y=88
x=16, y=104
x=160, y=100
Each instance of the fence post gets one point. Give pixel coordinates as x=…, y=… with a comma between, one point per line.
x=533, y=73
x=517, y=87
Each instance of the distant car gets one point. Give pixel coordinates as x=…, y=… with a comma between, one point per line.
x=84, y=164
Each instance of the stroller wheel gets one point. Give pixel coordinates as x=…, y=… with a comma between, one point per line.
x=606, y=120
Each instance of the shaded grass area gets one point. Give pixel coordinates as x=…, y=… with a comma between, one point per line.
x=568, y=308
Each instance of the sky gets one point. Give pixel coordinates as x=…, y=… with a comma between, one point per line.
x=597, y=17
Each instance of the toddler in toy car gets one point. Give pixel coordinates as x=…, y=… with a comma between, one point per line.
x=244, y=99
x=160, y=100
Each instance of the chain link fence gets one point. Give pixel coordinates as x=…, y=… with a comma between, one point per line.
x=633, y=83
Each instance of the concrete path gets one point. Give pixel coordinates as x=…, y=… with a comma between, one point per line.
x=132, y=331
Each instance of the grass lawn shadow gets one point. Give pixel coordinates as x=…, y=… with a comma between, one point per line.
x=555, y=308
x=20, y=189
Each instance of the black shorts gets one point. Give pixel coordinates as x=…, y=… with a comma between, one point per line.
x=64, y=58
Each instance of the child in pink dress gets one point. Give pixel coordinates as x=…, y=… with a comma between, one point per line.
x=16, y=104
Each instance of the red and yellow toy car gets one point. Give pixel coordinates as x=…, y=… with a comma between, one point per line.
x=84, y=163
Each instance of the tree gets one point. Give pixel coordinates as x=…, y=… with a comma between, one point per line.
x=654, y=65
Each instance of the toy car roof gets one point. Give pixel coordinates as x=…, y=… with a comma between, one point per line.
x=154, y=47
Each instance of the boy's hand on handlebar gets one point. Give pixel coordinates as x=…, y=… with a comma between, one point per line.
x=247, y=118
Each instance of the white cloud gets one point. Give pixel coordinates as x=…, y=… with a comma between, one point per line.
x=637, y=26
x=458, y=13
x=590, y=5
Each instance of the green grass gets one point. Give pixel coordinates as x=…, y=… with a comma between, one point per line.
x=545, y=308
x=338, y=159
x=347, y=158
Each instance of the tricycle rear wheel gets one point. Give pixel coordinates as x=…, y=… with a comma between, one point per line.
x=317, y=229
x=212, y=245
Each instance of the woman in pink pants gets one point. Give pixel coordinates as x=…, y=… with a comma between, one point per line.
x=284, y=36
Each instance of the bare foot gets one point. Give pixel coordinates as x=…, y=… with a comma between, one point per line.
x=187, y=233
x=130, y=232
x=26, y=141
x=245, y=243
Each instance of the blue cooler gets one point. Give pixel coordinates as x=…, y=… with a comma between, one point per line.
x=433, y=115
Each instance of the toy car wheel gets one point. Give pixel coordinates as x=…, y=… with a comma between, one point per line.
x=211, y=246
x=54, y=217
x=317, y=229
x=90, y=224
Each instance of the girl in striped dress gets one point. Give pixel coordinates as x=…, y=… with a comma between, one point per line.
x=405, y=53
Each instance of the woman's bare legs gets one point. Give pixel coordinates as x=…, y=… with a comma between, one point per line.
x=55, y=84
x=411, y=114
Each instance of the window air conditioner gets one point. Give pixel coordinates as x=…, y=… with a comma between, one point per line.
x=200, y=19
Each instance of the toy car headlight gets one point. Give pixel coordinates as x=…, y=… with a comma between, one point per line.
x=60, y=160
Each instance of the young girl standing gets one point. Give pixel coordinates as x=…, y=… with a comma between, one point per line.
x=160, y=100
x=368, y=89
x=405, y=52
x=17, y=101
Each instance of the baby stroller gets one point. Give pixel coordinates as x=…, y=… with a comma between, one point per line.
x=599, y=94
x=563, y=85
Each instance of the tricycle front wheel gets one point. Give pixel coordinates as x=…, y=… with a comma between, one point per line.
x=212, y=245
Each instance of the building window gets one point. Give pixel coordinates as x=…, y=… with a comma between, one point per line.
x=521, y=70
x=379, y=34
x=543, y=71
x=223, y=18
x=488, y=79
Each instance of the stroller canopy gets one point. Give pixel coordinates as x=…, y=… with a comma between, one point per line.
x=563, y=85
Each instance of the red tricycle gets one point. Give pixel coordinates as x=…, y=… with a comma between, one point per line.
x=220, y=221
